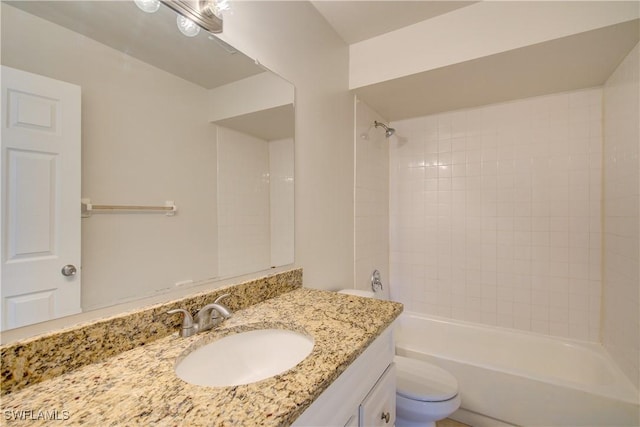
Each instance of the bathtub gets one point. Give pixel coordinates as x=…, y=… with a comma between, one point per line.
x=522, y=378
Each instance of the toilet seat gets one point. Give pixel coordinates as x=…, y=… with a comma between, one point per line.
x=421, y=381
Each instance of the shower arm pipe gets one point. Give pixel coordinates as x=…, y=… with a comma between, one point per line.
x=388, y=131
x=378, y=124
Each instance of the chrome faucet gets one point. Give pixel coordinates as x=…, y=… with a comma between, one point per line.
x=212, y=315
x=188, y=328
x=207, y=317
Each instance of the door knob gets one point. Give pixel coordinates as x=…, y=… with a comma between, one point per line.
x=69, y=270
x=386, y=417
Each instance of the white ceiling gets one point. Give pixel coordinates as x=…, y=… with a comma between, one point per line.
x=359, y=20
x=570, y=63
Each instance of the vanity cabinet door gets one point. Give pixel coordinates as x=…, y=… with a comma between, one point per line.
x=341, y=403
x=379, y=407
x=353, y=421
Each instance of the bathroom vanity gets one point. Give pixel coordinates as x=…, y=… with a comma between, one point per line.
x=348, y=375
x=364, y=395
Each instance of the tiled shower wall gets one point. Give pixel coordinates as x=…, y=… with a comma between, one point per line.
x=281, y=189
x=255, y=202
x=243, y=203
x=495, y=214
x=621, y=305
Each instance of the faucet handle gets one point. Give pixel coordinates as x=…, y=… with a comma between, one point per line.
x=188, y=328
x=221, y=297
x=222, y=310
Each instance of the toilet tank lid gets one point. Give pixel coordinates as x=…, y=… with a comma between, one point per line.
x=358, y=292
x=423, y=381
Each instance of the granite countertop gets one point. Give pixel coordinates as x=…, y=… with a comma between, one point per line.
x=139, y=386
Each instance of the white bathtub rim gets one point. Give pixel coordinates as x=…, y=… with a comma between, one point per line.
x=622, y=388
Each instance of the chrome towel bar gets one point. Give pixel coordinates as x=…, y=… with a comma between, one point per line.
x=87, y=208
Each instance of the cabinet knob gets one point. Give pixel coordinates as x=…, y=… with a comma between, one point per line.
x=386, y=417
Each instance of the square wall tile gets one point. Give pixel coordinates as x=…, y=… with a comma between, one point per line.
x=516, y=204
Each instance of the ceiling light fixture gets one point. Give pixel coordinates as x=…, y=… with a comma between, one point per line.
x=149, y=6
x=214, y=7
x=205, y=14
x=187, y=26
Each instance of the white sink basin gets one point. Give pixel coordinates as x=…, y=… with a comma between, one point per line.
x=245, y=357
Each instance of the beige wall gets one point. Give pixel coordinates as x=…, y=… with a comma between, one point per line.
x=293, y=40
x=133, y=152
x=371, y=199
x=315, y=60
x=621, y=279
x=256, y=93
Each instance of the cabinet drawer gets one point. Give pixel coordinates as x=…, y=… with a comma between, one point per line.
x=379, y=407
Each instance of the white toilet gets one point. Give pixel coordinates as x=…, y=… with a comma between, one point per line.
x=425, y=393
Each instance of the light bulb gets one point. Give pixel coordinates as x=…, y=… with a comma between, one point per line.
x=149, y=6
x=215, y=7
x=187, y=26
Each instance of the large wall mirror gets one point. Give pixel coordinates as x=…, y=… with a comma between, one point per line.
x=183, y=161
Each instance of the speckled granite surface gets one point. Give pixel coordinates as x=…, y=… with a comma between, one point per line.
x=46, y=356
x=139, y=386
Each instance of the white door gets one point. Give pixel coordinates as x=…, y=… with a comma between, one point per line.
x=40, y=197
